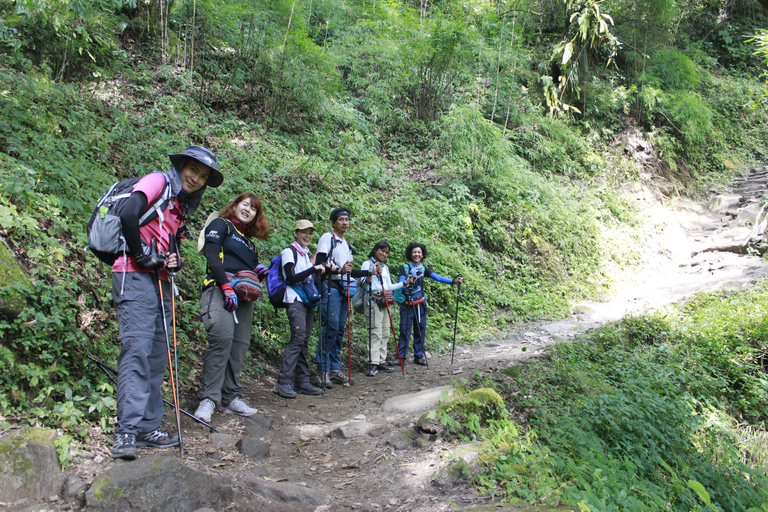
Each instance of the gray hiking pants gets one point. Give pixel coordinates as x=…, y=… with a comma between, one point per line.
x=144, y=353
x=228, y=342
x=295, y=365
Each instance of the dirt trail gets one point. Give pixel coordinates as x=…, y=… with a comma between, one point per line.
x=320, y=443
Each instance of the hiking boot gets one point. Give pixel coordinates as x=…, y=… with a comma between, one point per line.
x=205, y=410
x=240, y=407
x=285, y=390
x=421, y=361
x=372, y=370
x=124, y=447
x=385, y=368
x=157, y=439
x=338, y=377
x=393, y=362
x=305, y=388
x=322, y=380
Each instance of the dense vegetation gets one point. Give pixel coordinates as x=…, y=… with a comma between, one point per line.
x=656, y=412
x=494, y=132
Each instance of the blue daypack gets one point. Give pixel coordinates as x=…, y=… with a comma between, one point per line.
x=275, y=281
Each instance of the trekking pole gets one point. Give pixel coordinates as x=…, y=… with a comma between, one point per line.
x=324, y=337
x=456, y=320
x=349, y=327
x=370, y=325
x=391, y=325
x=111, y=372
x=174, y=248
x=168, y=345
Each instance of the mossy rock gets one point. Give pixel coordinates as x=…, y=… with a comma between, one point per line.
x=11, y=301
x=29, y=466
x=483, y=402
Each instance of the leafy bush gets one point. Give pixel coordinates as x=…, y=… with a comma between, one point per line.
x=672, y=70
x=642, y=414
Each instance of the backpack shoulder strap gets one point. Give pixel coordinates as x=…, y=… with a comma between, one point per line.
x=295, y=260
x=201, y=237
x=156, y=208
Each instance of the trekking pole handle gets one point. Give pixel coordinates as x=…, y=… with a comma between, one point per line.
x=173, y=248
x=153, y=251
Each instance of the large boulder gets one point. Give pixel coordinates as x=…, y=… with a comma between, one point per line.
x=157, y=484
x=29, y=468
x=11, y=301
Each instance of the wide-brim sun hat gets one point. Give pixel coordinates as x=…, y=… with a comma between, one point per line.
x=304, y=224
x=202, y=155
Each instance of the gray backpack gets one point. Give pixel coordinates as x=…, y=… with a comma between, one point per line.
x=358, y=299
x=105, y=230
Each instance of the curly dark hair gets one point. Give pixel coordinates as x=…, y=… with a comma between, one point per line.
x=258, y=227
x=411, y=247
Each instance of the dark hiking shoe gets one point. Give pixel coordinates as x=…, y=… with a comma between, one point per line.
x=124, y=447
x=385, y=368
x=394, y=362
x=421, y=361
x=285, y=390
x=157, y=439
x=305, y=388
x=372, y=370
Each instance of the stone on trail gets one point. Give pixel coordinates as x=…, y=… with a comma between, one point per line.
x=29, y=468
x=561, y=329
x=723, y=202
x=416, y=403
x=253, y=448
x=219, y=440
x=285, y=492
x=258, y=425
x=157, y=484
x=358, y=429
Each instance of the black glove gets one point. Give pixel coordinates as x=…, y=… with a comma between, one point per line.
x=173, y=248
x=149, y=259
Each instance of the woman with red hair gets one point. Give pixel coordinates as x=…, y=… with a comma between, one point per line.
x=228, y=320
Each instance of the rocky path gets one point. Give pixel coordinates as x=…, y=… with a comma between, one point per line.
x=355, y=448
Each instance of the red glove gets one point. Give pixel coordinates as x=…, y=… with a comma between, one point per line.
x=230, y=297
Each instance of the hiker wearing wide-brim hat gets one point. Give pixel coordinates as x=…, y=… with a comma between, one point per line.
x=139, y=302
x=413, y=310
x=202, y=155
x=231, y=257
x=294, y=373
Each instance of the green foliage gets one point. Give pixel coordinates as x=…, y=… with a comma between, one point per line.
x=70, y=38
x=588, y=32
x=670, y=69
x=427, y=120
x=471, y=413
x=641, y=415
